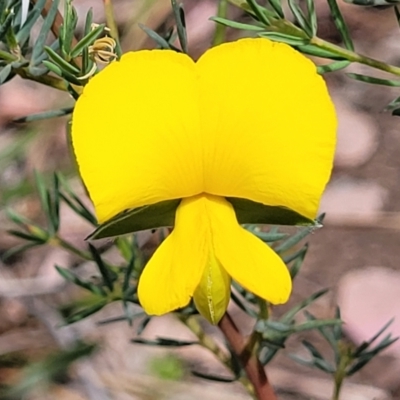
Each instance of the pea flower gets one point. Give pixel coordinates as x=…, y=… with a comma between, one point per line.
x=249, y=120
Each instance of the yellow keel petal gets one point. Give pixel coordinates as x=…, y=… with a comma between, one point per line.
x=213, y=293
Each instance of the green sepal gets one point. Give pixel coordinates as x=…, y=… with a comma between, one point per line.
x=251, y=212
x=163, y=214
x=138, y=219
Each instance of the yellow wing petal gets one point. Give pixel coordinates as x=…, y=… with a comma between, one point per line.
x=171, y=276
x=135, y=132
x=246, y=258
x=269, y=125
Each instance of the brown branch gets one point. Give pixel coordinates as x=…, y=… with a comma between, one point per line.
x=254, y=370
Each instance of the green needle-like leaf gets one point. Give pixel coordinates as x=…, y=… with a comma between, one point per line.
x=44, y=32
x=179, y=15
x=108, y=276
x=237, y=25
x=45, y=115
x=376, y=81
x=300, y=18
x=63, y=64
x=285, y=38
x=71, y=277
x=334, y=66
x=87, y=40
x=161, y=341
x=287, y=317
x=341, y=24
x=161, y=42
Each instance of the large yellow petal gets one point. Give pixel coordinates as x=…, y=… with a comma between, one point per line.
x=135, y=132
x=171, y=276
x=245, y=257
x=268, y=124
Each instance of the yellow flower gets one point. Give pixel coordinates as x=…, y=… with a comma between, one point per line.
x=250, y=120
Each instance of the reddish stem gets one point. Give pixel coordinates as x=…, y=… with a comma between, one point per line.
x=254, y=370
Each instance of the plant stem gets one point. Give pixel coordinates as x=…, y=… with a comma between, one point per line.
x=219, y=35
x=47, y=80
x=254, y=370
x=354, y=57
x=57, y=241
x=109, y=11
x=338, y=386
x=208, y=343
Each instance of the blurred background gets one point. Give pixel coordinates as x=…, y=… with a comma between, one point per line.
x=356, y=254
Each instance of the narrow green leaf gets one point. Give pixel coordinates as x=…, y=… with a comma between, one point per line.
x=267, y=237
x=43, y=193
x=161, y=341
x=86, y=312
x=5, y=73
x=86, y=62
x=243, y=306
x=294, y=239
x=371, y=79
x=142, y=325
x=298, y=263
x=312, y=17
x=45, y=115
x=156, y=37
x=71, y=277
x=313, y=50
x=44, y=56
x=108, y=276
x=18, y=219
x=27, y=236
x=337, y=329
x=300, y=17
x=277, y=6
x=312, y=349
x=16, y=250
x=130, y=267
x=64, y=65
x=284, y=38
x=341, y=24
x=87, y=40
x=5, y=26
x=179, y=15
x=295, y=255
x=266, y=355
x=53, y=67
x=237, y=25
x=326, y=332
x=44, y=31
x=301, y=360
x=287, y=317
x=366, y=344
x=68, y=27
x=397, y=13
x=211, y=377
x=334, y=66
x=260, y=12
x=54, y=203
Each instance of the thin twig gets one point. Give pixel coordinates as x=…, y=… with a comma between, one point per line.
x=254, y=370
